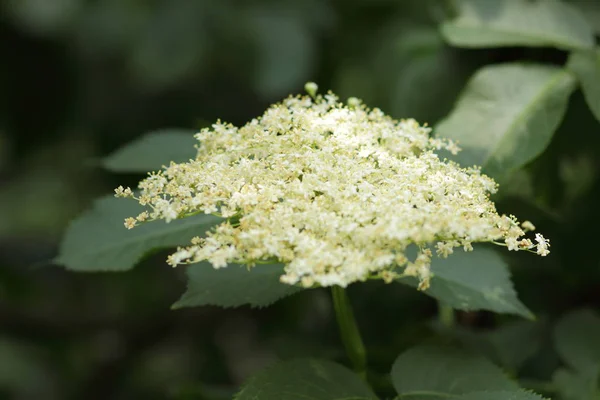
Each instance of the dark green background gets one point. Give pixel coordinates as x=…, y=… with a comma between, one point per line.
x=80, y=78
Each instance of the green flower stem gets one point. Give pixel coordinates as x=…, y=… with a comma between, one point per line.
x=446, y=315
x=355, y=349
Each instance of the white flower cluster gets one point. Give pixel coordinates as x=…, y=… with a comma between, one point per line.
x=336, y=192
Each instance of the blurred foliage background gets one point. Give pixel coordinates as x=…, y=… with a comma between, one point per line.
x=80, y=78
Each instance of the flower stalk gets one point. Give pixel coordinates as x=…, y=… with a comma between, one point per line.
x=355, y=349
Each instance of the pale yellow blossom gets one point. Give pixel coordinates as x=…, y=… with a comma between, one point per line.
x=335, y=192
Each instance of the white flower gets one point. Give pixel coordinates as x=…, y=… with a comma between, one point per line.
x=542, y=245
x=336, y=192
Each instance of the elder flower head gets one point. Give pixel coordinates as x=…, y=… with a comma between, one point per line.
x=336, y=192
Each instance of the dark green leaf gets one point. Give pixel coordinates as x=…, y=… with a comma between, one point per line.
x=152, y=151
x=494, y=23
x=575, y=385
x=24, y=372
x=578, y=175
x=43, y=18
x=478, y=280
x=98, y=240
x=509, y=345
x=416, y=57
x=305, y=379
x=234, y=286
x=577, y=340
x=591, y=10
x=507, y=115
x=586, y=66
x=173, y=45
x=286, y=51
x=434, y=373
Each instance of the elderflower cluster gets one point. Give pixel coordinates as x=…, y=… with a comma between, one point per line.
x=335, y=192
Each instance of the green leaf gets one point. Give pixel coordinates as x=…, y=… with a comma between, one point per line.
x=477, y=280
x=432, y=373
x=577, y=341
x=305, y=379
x=496, y=23
x=500, y=395
x=98, y=241
x=234, y=286
x=174, y=45
x=24, y=371
x=509, y=346
x=591, y=10
x=43, y=18
x=286, y=50
x=507, y=115
x=416, y=57
x=586, y=66
x=575, y=385
x=153, y=150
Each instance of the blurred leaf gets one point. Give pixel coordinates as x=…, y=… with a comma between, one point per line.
x=591, y=10
x=509, y=345
x=286, y=52
x=586, y=66
x=518, y=183
x=578, y=176
x=98, y=241
x=575, y=386
x=153, y=150
x=234, y=286
x=416, y=57
x=439, y=373
x=500, y=395
x=494, y=23
x=23, y=373
x=43, y=17
x=405, y=59
x=40, y=202
x=173, y=45
x=305, y=379
x=507, y=115
x=48, y=189
x=477, y=280
x=577, y=341
x=112, y=26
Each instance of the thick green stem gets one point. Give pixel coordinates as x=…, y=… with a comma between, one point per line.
x=355, y=349
x=446, y=315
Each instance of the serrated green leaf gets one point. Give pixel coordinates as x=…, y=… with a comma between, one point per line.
x=305, y=379
x=234, y=286
x=98, y=241
x=507, y=115
x=500, y=395
x=477, y=280
x=496, y=23
x=153, y=150
x=577, y=341
x=586, y=66
x=432, y=373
